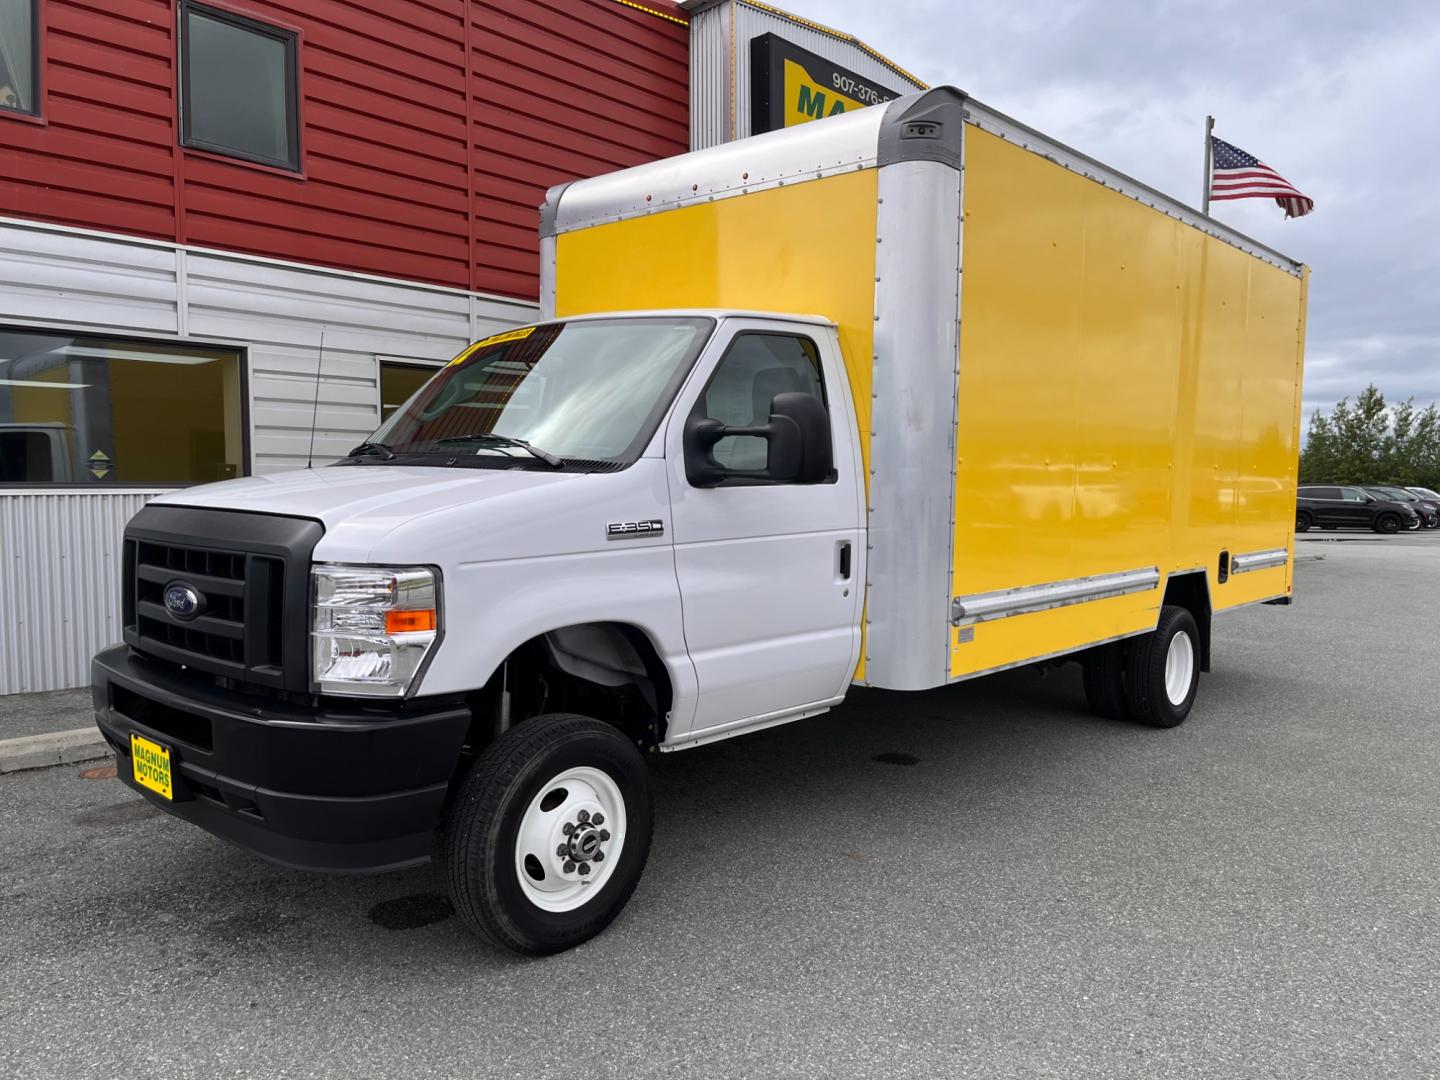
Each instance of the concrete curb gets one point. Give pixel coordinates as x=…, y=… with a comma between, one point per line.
x=52, y=748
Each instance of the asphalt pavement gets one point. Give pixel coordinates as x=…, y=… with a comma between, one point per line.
x=979, y=881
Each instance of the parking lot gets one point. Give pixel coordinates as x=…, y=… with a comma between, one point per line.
x=980, y=881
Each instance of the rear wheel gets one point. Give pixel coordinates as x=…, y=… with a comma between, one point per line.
x=549, y=834
x=1104, y=668
x=1303, y=521
x=1162, y=673
x=1387, y=523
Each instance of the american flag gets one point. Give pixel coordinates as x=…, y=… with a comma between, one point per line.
x=1235, y=174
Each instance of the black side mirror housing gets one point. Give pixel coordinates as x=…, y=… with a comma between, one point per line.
x=799, y=448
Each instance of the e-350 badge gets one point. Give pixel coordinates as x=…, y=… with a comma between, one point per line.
x=633, y=530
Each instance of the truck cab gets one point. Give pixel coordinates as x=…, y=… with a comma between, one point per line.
x=654, y=521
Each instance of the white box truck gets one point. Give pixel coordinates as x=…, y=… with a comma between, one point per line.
x=894, y=399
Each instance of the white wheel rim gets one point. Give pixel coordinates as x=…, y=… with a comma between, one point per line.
x=1179, y=668
x=590, y=804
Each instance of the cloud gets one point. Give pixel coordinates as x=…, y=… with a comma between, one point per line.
x=1337, y=96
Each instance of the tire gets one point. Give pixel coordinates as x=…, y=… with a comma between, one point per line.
x=578, y=766
x=1303, y=521
x=1387, y=523
x=1104, y=668
x=1160, y=680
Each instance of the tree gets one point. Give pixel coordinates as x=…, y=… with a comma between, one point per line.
x=1368, y=442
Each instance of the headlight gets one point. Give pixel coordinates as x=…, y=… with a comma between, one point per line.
x=372, y=627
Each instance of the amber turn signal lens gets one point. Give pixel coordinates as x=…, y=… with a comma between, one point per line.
x=409, y=622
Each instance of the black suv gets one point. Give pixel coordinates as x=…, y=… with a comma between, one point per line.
x=1350, y=508
x=1428, y=509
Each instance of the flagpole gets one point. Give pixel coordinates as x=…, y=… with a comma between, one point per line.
x=1209, y=165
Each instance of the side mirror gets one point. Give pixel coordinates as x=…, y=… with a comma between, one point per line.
x=799, y=448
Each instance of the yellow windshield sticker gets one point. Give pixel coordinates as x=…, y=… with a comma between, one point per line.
x=495, y=339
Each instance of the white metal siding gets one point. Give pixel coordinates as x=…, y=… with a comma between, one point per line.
x=68, y=277
x=711, y=100
x=720, y=86
x=59, y=585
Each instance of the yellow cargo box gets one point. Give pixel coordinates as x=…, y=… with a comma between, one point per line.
x=1077, y=398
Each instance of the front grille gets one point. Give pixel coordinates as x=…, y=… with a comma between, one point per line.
x=250, y=573
x=229, y=582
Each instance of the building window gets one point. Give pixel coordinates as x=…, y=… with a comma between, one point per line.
x=399, y=380
x=96, y=410
x=238, y=87
x=20, y=56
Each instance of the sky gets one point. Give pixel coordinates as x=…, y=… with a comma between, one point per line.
x=1341, y=98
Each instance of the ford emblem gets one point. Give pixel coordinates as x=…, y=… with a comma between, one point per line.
x=182, y=601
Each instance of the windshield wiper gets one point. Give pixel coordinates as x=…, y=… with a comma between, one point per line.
x=373, y=448
x=507, y=440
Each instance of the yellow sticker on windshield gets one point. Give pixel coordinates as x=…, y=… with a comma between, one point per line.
x=495, y=339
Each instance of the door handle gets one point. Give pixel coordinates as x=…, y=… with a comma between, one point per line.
x=842, y=560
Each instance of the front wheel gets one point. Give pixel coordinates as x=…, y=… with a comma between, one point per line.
x=1387, y=523
x=1303, y=521
x=1162, y=673
x=549, y=834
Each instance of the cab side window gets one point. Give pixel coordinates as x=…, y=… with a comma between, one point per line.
x=755, y=368
x=1353, y=495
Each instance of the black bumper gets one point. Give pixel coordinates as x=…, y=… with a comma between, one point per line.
x=355, y=788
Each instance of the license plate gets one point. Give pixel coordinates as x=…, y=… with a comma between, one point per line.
x=151, y=763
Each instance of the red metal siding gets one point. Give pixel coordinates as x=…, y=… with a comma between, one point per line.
x=102, y=157
x=564, y=89
x=430, y=129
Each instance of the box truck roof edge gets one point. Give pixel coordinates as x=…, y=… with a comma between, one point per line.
x=911, y=128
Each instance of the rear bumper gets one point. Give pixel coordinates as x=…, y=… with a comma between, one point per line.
x=355, y=788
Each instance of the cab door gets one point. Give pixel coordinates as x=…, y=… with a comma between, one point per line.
x=770, y=573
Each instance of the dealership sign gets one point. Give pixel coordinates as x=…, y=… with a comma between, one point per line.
x=790, y=85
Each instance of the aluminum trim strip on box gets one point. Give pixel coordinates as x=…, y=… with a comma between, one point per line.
x=1258, y=560
x=547, y=277
x=794, y=155
x=909, y=571
x=1001, y=604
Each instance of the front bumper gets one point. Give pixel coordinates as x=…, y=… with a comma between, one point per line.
x=355, y=788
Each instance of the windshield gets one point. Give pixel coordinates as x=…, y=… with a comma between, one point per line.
x=587, y=392
x=1394, y=494
x=1426, y=493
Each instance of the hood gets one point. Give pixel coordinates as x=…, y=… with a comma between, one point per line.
x=375, y=498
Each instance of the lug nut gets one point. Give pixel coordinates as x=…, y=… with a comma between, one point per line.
x=569, y=867
x=562, y=850
x=599, y=856
x=584, y=868
x=567, y=828
x=604, y=834
x=583, y=816
x=598, y=819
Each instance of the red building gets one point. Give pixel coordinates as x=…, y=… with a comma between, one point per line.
x=426, y=131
